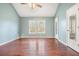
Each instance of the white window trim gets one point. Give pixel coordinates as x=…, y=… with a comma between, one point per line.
x=37, y=32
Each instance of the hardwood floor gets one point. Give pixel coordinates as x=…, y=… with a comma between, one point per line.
x=36, y=47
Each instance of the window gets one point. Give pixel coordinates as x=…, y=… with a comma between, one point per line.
x=36, y=26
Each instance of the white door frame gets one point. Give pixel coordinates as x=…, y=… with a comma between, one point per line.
x=56, y=27
x=70, y=12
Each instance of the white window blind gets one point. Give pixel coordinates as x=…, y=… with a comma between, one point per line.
x=36, y=26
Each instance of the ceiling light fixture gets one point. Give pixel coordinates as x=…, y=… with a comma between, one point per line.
x=32, y=5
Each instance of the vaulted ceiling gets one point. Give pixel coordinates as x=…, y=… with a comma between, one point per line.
x=47, y=10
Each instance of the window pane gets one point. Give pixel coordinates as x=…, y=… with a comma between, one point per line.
x=37, y=26
x=32, y=26
x=41, y=26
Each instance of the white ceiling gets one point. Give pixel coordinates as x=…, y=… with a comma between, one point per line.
x=47, y=10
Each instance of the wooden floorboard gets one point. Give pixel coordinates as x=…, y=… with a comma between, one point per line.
x=36, y=47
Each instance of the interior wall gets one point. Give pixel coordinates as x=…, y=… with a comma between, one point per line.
x=61, y=14
x=10, y=28
x=9, y=23
x=24, y=26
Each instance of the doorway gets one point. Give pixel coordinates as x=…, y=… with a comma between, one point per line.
x=73, y=27
x=56, y=28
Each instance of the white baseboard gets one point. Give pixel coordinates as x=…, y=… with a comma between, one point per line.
x=26, y=37
x=8, y=41
x=62, y=42
x=18, y=38
x=36, y=36
x=67, y=45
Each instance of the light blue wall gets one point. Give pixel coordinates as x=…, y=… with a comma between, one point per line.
x=24, y=27
x=61, y=14
x=8, y=23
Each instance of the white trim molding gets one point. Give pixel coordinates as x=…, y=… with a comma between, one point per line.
x=67, y=45
x=62, y=42
x=6, y=42
x=36, y=37
x=36, y=26
x=9, y=41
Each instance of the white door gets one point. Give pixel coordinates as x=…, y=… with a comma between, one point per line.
x=56, y=28
x=72, y=26
x=77, y=35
